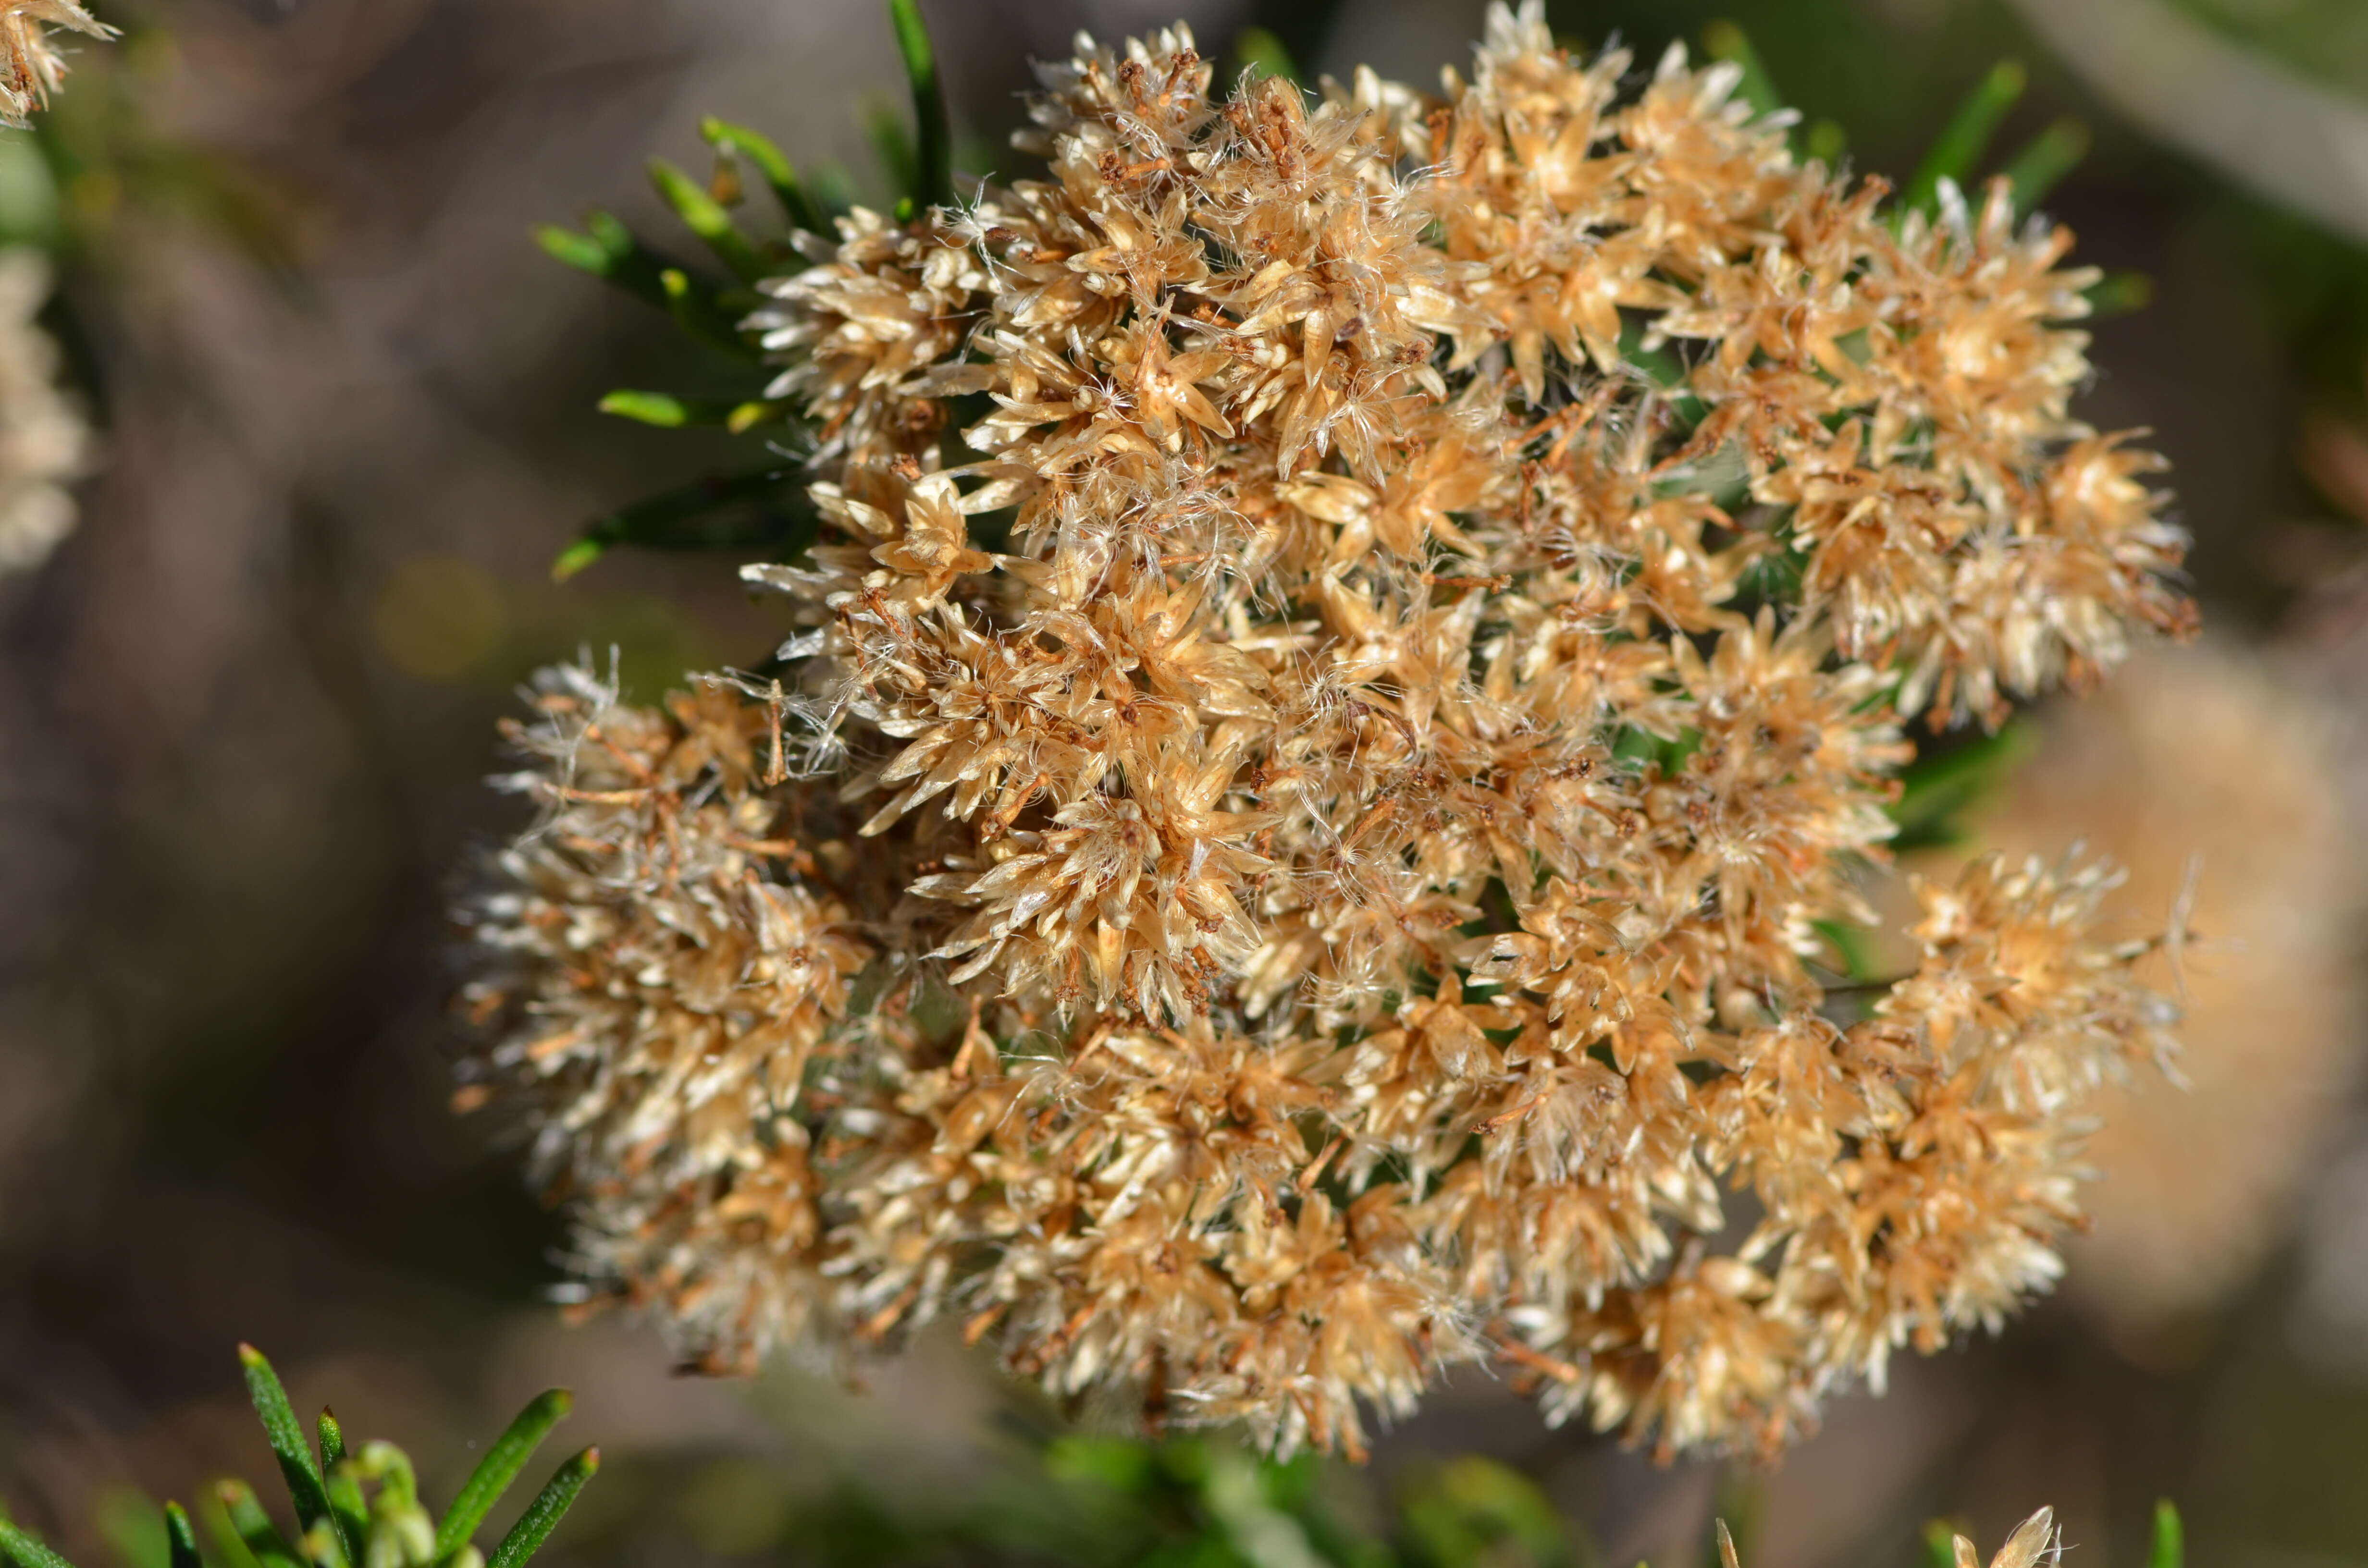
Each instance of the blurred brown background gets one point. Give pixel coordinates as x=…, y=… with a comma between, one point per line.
x=245, y=711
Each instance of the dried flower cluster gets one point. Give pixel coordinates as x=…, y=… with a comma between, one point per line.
x=44, y=444
x=1353, y=650
x=34, y=67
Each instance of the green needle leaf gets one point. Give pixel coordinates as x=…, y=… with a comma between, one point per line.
x=347, y=1505
x=2050, y=155
x=181, y=1539
x=499, y=1468
x=744, y=143
x=706, y=216
x=24, y=1551
x=254, y=1526
x=609, y=251
x=661, y=409
x=542, y=1515
x=2169, y=1547
x=2119, y=293
x=933, y=172
x=571, y=249
x=282, y=1430
x=1725, y=40
x=1963, y=140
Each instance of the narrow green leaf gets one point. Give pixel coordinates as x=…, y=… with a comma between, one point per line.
x=571, y=249
x=26, y=1551
x=1262, y=54
x=1825, y=140
x=686, y=519
x=181, y=1539
x=600, y=253
x=609, y=250
x=1726, y=41
x=542, y=1515
x=2169, y=1549
x=933, y=182
x=798, y=206
x=347, y=1505
x=706, y=216
x=1939, y=1545
x=1962, y=141
x=254, y=1526
x=2119, y=293
x=286, y=1436
x=499, y=1468
x=2044, y=161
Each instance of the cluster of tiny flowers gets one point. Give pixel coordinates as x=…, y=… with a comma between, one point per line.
x=1355, y=648
x=34, y=67
x=44, y=444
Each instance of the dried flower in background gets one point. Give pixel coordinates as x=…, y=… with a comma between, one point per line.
x=2208, y=761
x=44, y=445
x=1354, y=649
x=34, y=67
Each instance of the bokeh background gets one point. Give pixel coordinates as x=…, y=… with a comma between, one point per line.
x=347, y=412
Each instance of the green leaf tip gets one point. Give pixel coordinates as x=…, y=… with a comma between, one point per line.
x=181, y=1539
x=499, y=1468
x=2169, y=1549
x=660, y=409
x=571, y=249
x=542, y=1515
x=933, y=174
x=706, y=216
x=575, y=558
x=332, y=1439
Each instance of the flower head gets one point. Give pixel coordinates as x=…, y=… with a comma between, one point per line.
x=1367, y=637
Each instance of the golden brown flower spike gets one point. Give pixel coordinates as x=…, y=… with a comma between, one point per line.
x=1322, y=798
